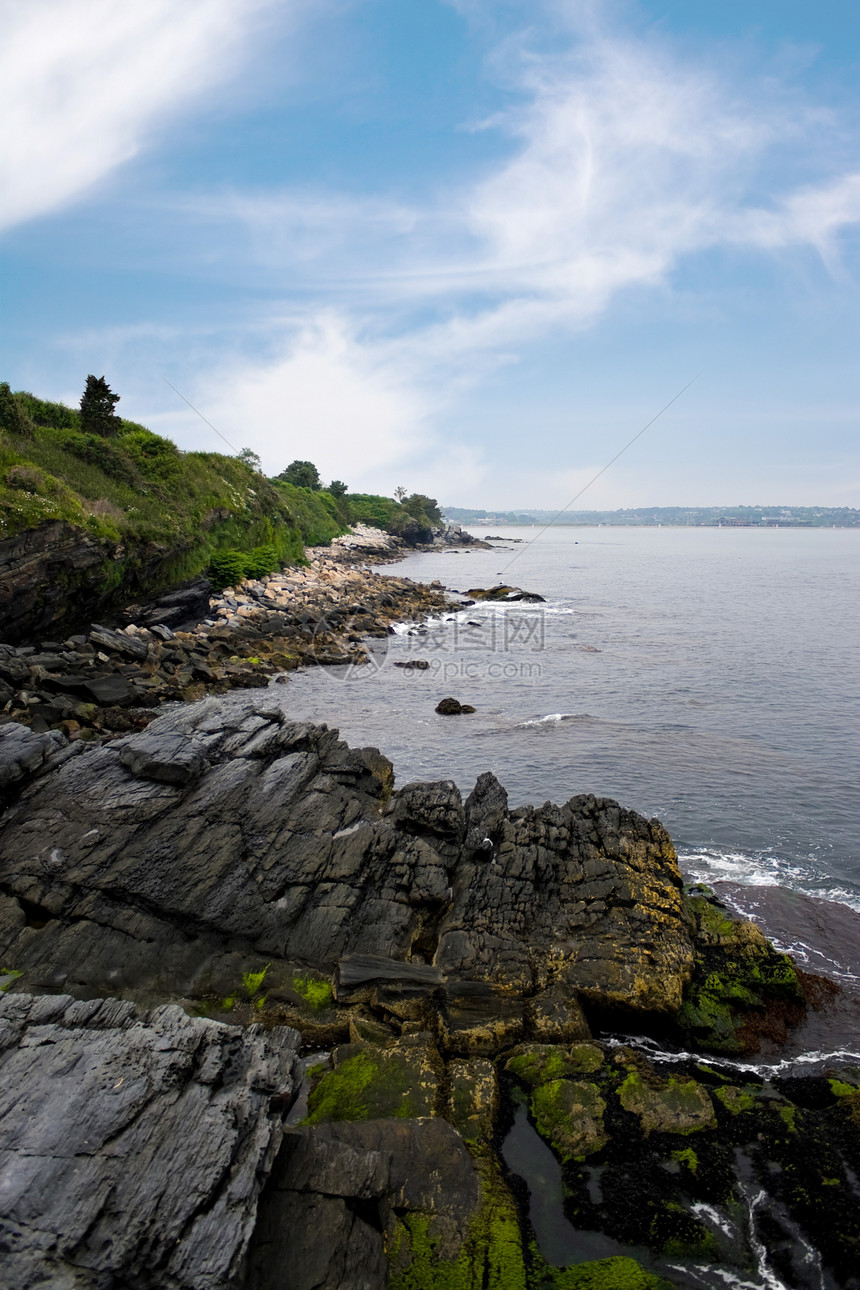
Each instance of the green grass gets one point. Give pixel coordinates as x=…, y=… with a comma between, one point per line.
x=161, y=515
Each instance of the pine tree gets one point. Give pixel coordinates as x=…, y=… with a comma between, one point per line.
x=97, y=408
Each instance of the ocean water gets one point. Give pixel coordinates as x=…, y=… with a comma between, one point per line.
x=710, y=677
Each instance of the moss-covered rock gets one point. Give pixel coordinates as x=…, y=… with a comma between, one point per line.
x=535, y=1064
x=670, y=1106
x=742, y=989
x=490, y=1258
x=370, y=1083
x=618, y=1273
x=737, y=1100
x=569, y=1116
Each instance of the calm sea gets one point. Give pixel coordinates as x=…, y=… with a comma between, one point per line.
x=709, y=677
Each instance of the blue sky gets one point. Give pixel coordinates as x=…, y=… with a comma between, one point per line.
x=469, y=247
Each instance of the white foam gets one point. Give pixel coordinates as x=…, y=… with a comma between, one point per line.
x=824, y=1059
x=556, y=717
x=767, y=870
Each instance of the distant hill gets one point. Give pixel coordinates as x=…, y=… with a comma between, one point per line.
x=653, y=516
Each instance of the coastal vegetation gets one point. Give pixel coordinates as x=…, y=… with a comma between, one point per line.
x=134, y=515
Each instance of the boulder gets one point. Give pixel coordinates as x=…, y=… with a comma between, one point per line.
x=344, y=1199
x=452, y=707
x=506, y=594
x=118, y=643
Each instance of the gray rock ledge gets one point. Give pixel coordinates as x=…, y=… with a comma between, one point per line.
x=132, y=1148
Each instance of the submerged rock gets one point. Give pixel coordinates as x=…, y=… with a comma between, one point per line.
x=452, y=707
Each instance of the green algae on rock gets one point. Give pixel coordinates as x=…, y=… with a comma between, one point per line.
x=617, y=1273
x=540, y=1063
x=369, y=1083
x=490, y=1258
x=569, y=1115
x=741, y=988
x=670, y=1106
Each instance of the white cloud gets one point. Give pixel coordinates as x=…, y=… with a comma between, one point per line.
x=325, y=397
x=84, y=82
x=626, y=156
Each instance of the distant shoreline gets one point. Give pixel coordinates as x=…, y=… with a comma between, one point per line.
x=759, y=517
x=646, y=524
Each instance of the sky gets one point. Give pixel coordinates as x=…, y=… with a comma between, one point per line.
x=469, y=247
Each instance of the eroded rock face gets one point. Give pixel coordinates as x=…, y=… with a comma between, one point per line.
x=339, y=1194
x=132, y=1148
x=226, y=838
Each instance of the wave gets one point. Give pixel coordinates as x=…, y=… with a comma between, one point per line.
x=766, y=870
x=815, y=1062
x=553, y=718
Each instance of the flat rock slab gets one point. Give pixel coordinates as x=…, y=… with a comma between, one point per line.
x=132, y=1148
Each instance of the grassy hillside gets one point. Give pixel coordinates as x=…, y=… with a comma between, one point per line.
x=160, y=514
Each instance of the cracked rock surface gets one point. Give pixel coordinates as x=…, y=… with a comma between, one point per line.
x=132, y=1146
x=226, y=838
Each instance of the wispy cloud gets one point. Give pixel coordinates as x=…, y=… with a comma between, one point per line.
x=626, y=158
x=626, y=155
x=83, y=83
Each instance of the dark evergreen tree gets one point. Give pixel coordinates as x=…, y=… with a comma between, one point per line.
x=302, y=473
x=337, y=488
x=97, y=408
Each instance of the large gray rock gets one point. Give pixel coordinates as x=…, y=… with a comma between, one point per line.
x=132, y=1148
x=226, y=837
x=23, y=751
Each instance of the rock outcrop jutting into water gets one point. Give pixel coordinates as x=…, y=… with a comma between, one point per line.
x=226, y=837
x=456, y=956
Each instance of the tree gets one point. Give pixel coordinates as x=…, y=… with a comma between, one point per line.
x=250, y=458
x=422, y=508
x=337, y=488
x=97, y=408
x=13, y=418
x=400, y=492
x=304, y=474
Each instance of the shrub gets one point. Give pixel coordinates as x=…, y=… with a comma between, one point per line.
x=368, y=508
x=42, y=412
x=13, y=417
x=260, y=561
x=226, y=569
x=156, y=458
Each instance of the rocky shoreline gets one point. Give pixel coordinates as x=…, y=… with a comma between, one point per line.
x=110, y=680
x=270, y=1021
